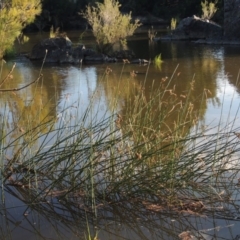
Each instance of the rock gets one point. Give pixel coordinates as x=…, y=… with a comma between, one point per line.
x=123, y=54
x=150, y=20
x=90, y=56
x=192, y=28
x=98, y=58
x=61, y=50
x=139, y=61
x=57, y=49
x=218, y=42
x=78, y=53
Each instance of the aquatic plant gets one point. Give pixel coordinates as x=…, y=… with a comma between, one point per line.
x=158, y=61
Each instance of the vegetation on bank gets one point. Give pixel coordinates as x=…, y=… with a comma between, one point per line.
x=64, y=14
x=208, y=9
x=109, y=25
x=107, y=21
x=14, y=16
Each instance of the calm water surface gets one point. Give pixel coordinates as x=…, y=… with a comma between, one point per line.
x=215, y=72
x=211, y=67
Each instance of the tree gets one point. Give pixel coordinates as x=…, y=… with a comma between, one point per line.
x=14, y=16
x=108, y=24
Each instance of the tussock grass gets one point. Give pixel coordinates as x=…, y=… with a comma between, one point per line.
x=135, y=157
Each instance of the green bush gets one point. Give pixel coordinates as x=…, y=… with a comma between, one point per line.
x=14, y=16
x=108, y=24
x=208, y=9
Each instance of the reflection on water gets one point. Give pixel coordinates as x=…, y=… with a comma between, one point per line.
x=62, y=217
x=205, y=76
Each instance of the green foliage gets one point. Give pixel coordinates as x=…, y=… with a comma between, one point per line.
x=10, y=53
x=208, y=9
x=14, y=16
x=173, y=23
x=158, y=61
x=52, y=33
x=109, y=25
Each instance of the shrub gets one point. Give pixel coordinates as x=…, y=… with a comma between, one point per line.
x=108, y=24
x=208, y=9
x=14, y=16
x=173, y=23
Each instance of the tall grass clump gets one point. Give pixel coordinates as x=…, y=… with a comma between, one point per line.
x=152, y=154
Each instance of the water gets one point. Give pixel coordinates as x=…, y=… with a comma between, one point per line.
x=214, y=71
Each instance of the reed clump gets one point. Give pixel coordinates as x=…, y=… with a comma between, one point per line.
x=152, y=153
